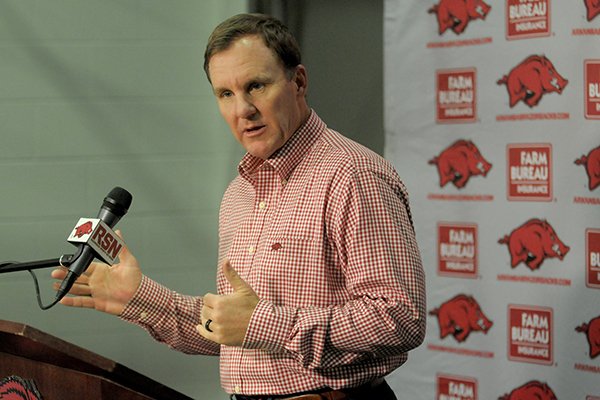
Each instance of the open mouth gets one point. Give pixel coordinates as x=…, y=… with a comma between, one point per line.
x=254, y=130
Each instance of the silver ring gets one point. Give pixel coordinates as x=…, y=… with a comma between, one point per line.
x=207, y=325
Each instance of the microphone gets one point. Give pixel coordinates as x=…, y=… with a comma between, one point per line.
x=114, y=207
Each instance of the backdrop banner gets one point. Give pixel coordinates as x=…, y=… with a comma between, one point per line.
x=492, y=118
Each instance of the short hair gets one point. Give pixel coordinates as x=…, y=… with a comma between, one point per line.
x=274, y=33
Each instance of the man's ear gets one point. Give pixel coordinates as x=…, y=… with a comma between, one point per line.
x=301, y=79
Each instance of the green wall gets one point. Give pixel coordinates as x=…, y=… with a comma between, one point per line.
x=97, y=94
x=102, y=93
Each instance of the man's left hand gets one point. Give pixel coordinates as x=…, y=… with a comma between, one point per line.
x=229, y=314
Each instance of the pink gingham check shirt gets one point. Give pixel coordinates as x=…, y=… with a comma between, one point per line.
x=323, y=234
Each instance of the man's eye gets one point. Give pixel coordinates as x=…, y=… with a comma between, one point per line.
x=225, y=94
x=256, y=86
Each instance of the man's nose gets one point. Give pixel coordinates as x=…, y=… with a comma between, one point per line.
x=245, y=107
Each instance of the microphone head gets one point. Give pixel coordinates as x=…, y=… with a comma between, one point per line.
x=118, y=201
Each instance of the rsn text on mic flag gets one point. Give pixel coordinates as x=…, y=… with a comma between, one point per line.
x=99, y=236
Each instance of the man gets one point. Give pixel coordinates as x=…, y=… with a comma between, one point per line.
x=320, y=286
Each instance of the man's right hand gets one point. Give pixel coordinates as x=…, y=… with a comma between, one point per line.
x=103, y=287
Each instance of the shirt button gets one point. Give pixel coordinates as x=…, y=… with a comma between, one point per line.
x=236, y=389
x=143, y=315
x=251, y=249
x=262, y=205
x=283, y=182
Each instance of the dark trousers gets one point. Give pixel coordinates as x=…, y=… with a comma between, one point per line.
x=379, y=392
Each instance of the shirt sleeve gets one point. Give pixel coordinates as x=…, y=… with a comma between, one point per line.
x=370, y=226
x=169, y=317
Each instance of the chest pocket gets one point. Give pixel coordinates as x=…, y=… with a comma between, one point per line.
x=298, y=272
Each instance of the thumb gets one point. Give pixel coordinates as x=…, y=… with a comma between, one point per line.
x=125, y=255
x=236, y=282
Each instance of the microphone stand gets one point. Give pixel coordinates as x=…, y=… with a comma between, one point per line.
x=65, y=260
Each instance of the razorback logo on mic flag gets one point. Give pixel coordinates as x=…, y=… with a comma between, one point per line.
x=456, y=14
x=531, y=79
x=533, y=242
x=460, y=316
x=591, y=162
x=459, y=162
x=592, y=8
x=99, y=236
x=84, y=229
x=532, y=390
x=591, y=329
x=527, y=19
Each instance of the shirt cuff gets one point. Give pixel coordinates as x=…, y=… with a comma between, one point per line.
x=147, y=306
x=270, y=327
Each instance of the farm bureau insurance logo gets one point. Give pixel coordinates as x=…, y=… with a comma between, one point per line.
x=456, y=14
x=527, y=18
x=530, y=334
x=456, y=95
x=532, y=78
x=460, y=316
x=457, y=249
x=529, y=172
x=592, y=251
x=533, y=242
x=451, y=387
x=592, y=87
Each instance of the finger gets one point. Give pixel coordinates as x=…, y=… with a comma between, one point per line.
x=76, y=289
x=125, y=255
x=90, y=269
x=201, y=328
x=236, y=282
x=210, y=300
x=59, y=273
x=206, y=314
x=78, y=301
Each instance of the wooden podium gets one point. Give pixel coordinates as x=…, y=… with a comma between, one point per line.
x=63, y=371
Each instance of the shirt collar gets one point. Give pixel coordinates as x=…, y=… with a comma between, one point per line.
x=284, y=160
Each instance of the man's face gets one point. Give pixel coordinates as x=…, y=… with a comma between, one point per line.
x=261, y=105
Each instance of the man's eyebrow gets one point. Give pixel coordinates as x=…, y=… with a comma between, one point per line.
x=259, y=78
x=217, y=90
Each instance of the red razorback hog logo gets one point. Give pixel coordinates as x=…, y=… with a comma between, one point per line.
x=592, y=331
x=532, y=390
x=533, y=242
x=460, y=316
x=15, y=388
x=456, y=14
x=531, y=79
x=593, y=8
x=83, y=229
x=591, y=162
x=458, y=162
